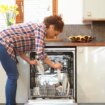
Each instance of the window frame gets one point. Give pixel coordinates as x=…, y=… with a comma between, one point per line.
x=20, y=3
x=20, y=16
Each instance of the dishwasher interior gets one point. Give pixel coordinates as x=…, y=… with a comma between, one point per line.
x=50, y=83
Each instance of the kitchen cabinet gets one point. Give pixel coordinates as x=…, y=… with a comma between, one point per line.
x=91, y=74
x=3, y=78
x=94, y=10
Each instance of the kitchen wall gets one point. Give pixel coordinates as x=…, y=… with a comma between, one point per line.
x=73, y=12
x=75, y=29
x=73, y=20
x=96, y=29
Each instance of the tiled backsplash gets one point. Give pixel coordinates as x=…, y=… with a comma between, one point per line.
x=96, y=29
x=99, y=31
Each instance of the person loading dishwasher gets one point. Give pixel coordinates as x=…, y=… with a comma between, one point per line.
x=21, y=38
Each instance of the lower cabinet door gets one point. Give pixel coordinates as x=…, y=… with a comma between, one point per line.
x=91, y=74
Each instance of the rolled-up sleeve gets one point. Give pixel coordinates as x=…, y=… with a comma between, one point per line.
x=40, y=44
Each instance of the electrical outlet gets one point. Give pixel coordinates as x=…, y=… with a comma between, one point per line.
x=89, y=14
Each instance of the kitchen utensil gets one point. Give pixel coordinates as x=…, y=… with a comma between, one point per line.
x=40, y=67
x=59, y=75
x=36, y=91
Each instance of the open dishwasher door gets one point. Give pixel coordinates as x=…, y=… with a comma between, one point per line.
x=51, y=102
x=50, y=86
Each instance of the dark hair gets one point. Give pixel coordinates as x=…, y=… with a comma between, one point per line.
x=54, y=20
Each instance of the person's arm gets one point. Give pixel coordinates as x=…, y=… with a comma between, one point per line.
x=27, y=59
x=40, y=44
x=52, y=64
x=40, y=51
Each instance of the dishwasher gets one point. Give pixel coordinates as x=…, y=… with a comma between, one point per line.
x=49, y=86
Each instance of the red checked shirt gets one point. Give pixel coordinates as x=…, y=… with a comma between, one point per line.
x=24, y=37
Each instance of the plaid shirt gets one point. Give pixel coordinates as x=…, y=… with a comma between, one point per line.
x=24, y=37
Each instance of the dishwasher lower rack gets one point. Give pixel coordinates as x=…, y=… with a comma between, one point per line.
x=48, y=86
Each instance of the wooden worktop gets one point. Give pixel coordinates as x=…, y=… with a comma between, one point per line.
x=59, y=42
x=75, y=44
x=86, y=44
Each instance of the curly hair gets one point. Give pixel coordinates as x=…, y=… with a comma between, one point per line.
x=54, y=20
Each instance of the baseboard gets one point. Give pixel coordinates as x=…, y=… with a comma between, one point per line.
x=91, y=103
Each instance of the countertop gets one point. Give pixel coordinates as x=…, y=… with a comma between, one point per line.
x=64, y=43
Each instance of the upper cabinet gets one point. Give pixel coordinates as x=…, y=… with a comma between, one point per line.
x=94, y=10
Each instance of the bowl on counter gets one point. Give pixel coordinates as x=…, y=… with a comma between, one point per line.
x=81, y=38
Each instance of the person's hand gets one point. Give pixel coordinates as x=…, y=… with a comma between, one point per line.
x=57, y=65
x=33, y=62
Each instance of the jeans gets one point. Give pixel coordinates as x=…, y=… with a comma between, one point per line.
x=10, y=68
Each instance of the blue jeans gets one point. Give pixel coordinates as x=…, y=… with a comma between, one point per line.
x=10, y=68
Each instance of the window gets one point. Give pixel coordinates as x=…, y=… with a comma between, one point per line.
x=20, y=17
x=70, y=10
x=36, y=10
x=31, y=10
